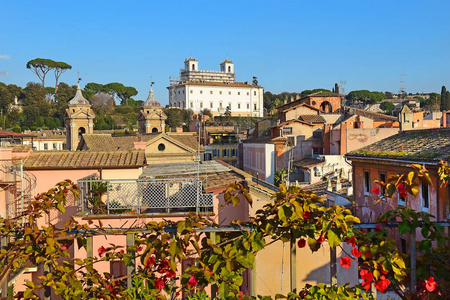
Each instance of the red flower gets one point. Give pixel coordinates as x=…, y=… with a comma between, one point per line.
x=356, y=253
x=110, y=287
x=65, y=247
x=301, y=243
x=378, y=228
x=192, y=282
x=430, y=284
x=171, y=274
x=159, y=284
x=101, y=250
x=346, y=262
x=365, y=284
x=321, y=239
x=121, y=251
x=352, y=240
x=365, y=274
x=402, y=190
x=139, y=249
x=66, y=191
x=149, y=263
x=306, y=214
x=382, y=284
x=376, y=190
x=367, y=254
x=37, y=196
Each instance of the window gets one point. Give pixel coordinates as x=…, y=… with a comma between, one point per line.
x=215, y=152
x=233, y=152
x=366, y=182
x=239, y=106
x=211, y=92
x=191, y=91
x=254, y=106
x=317, y=151
x=201, y=92
x=425, y=196
x=229, y=105
x=403, y=245
x=254, y=93
x=229, y=93
x=248, y=93
x=220, y=92
x=161, y=147
x=225, y=152
x=286, y=130
x=192, y=104
x=239, y=93
x=248, y=106
x=179, y=92
x=210, y=104
x=183, y=91
x=45, y=146
x=201, y=104
x=55, y=147
x=291, y=140
x=382, y=177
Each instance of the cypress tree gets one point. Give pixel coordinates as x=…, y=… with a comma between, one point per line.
x=336, y=88
x=444, y=99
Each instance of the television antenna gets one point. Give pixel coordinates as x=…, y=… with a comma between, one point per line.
x=402, y=90
x=7, y=57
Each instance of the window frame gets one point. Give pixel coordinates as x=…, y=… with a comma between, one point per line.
x=366, y=182
x=428, y=195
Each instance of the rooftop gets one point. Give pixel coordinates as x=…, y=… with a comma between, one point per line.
x=430, y=145
x=307, y=163
x=84, y=159
x=312, y=119
x=320, y=188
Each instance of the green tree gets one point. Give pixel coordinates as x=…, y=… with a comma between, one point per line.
x=336, y=88
x=445, y=99
x=34, y=103
x=7, y=95
x=59, y=68
x=40, y=67
x=95, y=87
x=62, y=97
x=387, y=106
x=388, y=95
x=125, y=93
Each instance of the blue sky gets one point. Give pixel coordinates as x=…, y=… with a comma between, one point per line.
x=289, y=45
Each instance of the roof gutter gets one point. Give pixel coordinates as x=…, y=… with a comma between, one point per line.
x=392, y=159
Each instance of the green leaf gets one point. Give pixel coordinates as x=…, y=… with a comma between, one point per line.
x=390, y=189
x=61, y=208
x=224, y=290
x=284, y=213
x=313, y=244
x=181, y=226
x=404, y=227
x=334, y=237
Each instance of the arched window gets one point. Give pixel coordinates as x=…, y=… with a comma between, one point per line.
x=229, y=69
x=155, y=129
x=81, y=131
x=193, y=67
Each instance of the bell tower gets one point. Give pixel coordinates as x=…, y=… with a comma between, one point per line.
x=151, y=118
x=79, y=120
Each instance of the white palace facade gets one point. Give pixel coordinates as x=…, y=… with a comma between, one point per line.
x=216, y=90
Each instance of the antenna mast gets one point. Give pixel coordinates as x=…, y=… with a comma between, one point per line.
x=7, y=57
x=402, y=90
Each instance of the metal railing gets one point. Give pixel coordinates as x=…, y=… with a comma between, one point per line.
x=143, y=196
x=21, y=186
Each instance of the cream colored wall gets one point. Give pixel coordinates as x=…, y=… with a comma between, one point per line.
x=301, y=110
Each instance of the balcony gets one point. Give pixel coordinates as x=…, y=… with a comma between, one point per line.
x=143, y=196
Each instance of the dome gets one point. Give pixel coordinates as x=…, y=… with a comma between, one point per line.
x=151, y=100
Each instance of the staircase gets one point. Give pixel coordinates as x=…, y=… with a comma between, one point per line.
x=18, y=187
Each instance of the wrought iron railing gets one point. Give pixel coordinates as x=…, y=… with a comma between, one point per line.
x=20, y=185
x=143, y=196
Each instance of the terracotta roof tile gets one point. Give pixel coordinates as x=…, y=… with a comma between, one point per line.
x=312, y=119
x=419, y=145
x=307, y=163
x=98, y=142
x=84, y=159
x=320, y=188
